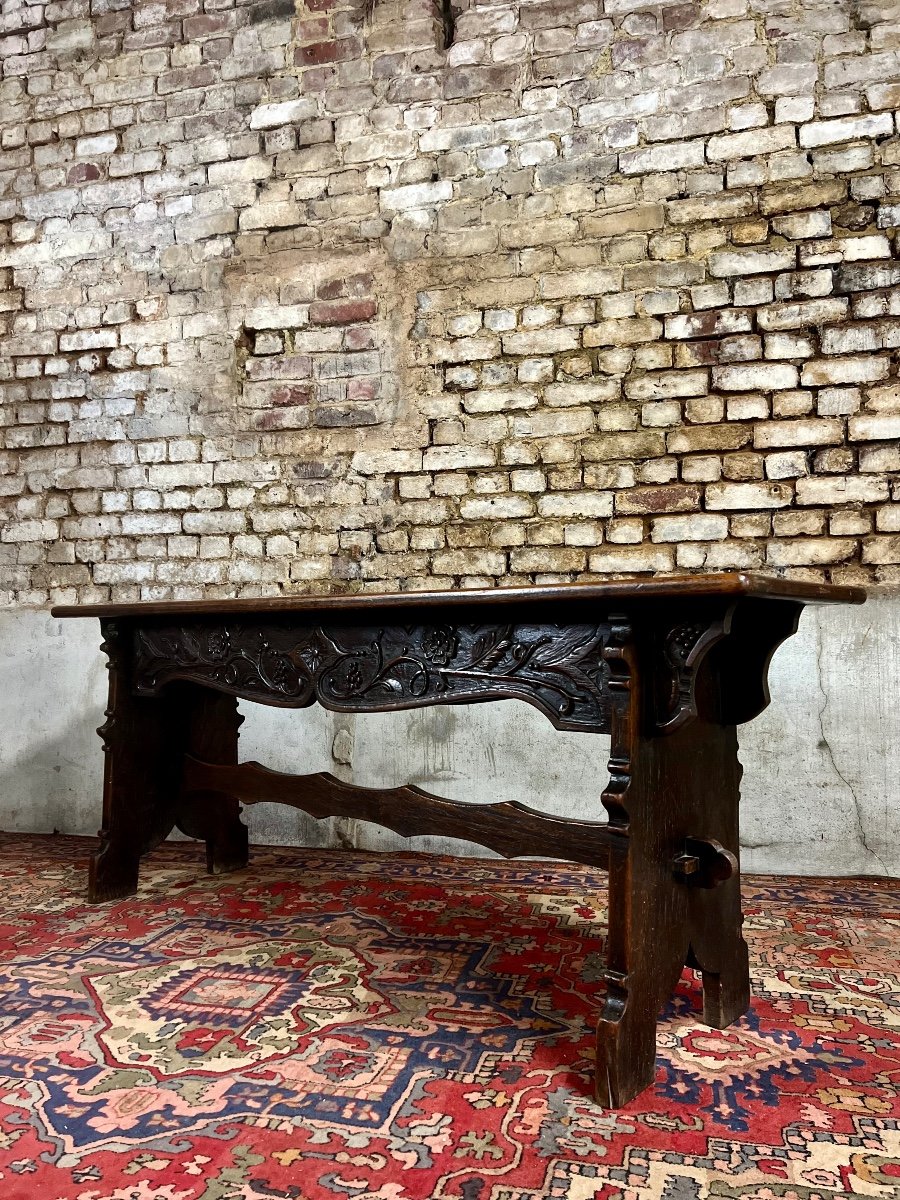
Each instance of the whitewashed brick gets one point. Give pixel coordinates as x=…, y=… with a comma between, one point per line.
x=748, y=495
x=859, y=369
x=270, y=116
x=417, y=195
x=755, y=376
x=826, y=490
x=882, y=427
x=727, y=263
x=696, y=527
x=846, y=129
x=576, y=504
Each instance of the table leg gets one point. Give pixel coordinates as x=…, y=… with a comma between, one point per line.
x=213, y=722
x=683, y=790
x=140, y=777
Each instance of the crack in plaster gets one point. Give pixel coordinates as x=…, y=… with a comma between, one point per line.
x=826, y=746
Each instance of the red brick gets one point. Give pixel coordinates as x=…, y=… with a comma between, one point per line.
x=291, y=393
x=359, y=337
x=362, y=389
x=326, y=52
x=676, y=498
x=83, y=173
x=341, y=312
x=208, y=25
x=295, y=366
x=348, y=285
x=314, y=29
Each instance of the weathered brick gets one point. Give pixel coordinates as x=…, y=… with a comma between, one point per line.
x=635, y=219
x=750, y=377
x=663, y=385
x=748, y=495
x=727, y=263
x=576, y=504
x=730, y=146
x=802, y=315
x=774, y=434
x=672, y=156
x=801, y=196
x=415, y=195
x=590, y=281
x=623, y=445
x=825, y=490
x=555, y=423
x=875, y=428
x=455, y=458
x=861, y=369
x=846, y=129
x=860, y=277
x=470, y=562
x=696, y=527
x=540, y=341
x=631, y=559
x=880, y=550
x=624, y=332
x=714, y=323
x=663, y=499
x=799, y=552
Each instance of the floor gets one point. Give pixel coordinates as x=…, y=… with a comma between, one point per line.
x=329, y=1024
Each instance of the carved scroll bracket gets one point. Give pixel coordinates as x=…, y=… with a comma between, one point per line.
x=742, y=639
x=685, y=646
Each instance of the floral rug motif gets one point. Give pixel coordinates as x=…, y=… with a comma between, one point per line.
x=329, y=1024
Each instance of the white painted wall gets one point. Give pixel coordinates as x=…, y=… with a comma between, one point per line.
x=822, y=764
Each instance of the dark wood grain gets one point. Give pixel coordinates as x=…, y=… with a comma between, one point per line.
x=212, y=814
x=632, y=588
x=142, y=741
x=512, y=829
x=682, y=784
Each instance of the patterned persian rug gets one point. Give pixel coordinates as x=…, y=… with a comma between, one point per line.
x=332, y=1024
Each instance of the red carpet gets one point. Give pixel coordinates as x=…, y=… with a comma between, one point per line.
x=330, y=1024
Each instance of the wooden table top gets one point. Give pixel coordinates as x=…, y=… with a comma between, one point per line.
x=635, y=587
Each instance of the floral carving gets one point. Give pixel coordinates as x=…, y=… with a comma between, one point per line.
x=559, y=669
x=439, y=645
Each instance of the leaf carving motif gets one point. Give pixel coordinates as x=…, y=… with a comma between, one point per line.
x=558, y=668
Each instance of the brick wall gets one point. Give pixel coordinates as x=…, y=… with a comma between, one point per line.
x=342, y=295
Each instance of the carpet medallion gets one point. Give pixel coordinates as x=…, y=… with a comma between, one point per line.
x=330, y=1024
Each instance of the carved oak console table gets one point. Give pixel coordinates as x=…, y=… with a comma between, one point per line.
x=668, y=667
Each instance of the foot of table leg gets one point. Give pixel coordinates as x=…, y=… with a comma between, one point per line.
x=215, y=819
x=725, y=997
x=113, y=871
x=228, y=849
x=626, y=1036
x=719, y=951
x=702, y=929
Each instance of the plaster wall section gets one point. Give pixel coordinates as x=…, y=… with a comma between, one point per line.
x=334, y=295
